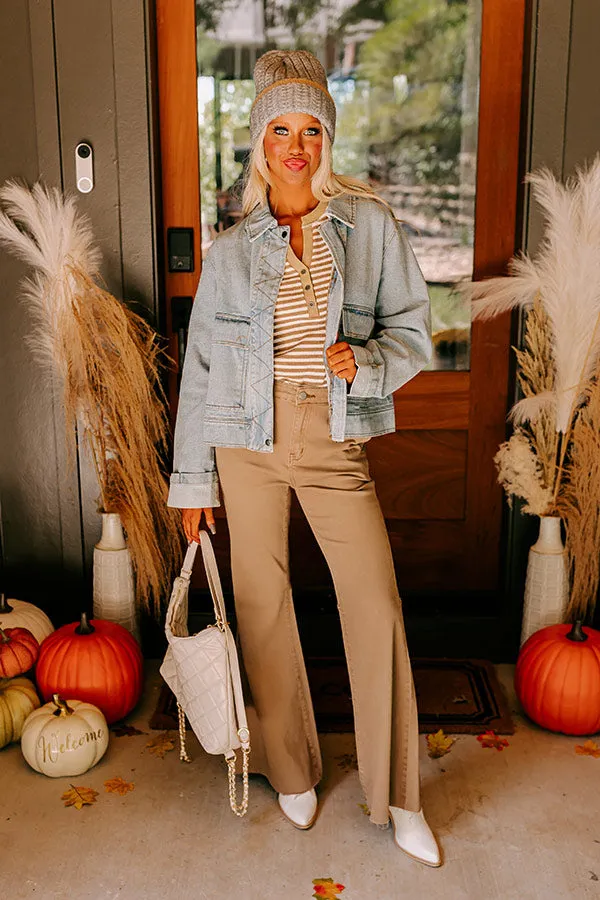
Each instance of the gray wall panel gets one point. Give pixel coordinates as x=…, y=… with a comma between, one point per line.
x=134, y=153
x=70, y=71
x=39, y=495
x=582, y=126
x=550, y=53
x=86, y=99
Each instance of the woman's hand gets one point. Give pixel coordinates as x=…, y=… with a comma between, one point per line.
x=191, y=522
x=341, y=360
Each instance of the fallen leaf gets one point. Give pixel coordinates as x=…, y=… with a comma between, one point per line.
x=438, y=744
x=365, y=809
x=79, y=796
x=327, y=888
x=161, y=744
x=118, y=786
x=347, y=761
x=121, y=729
x=589, y=748
x=490, y=740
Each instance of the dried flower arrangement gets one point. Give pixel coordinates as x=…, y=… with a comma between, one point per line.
x=107, y=362
x=552, y=459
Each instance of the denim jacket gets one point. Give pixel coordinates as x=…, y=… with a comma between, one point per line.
x=378, y=303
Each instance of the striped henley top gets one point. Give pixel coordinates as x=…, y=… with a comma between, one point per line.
x=301, y=307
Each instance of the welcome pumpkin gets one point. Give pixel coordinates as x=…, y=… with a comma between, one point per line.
x=96, y=661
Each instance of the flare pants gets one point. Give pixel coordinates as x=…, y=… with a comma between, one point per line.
x=337, y=494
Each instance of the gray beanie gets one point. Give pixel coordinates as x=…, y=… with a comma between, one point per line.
x=290, y=81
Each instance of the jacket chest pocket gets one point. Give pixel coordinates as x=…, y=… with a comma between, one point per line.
x=357, y=322
x=228, y=361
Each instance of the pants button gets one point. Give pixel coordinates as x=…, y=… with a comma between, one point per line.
x=302, y=395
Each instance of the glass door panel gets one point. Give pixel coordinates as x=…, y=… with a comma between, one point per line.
x=405, y=78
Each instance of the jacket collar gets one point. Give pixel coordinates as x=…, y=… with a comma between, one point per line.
x=342, y=208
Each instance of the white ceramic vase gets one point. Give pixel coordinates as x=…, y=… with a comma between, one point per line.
x=547, y=583
x=114, y=592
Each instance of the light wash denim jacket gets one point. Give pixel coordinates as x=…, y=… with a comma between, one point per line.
x=378, y=296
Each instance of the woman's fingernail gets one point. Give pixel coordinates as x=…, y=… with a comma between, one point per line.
x=212, y=528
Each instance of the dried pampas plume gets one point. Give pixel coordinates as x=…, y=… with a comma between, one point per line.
x=554, y=454
x=108, y=364
x=520, y=473
x=579, y=505
x=565, y=273
x=535, y=374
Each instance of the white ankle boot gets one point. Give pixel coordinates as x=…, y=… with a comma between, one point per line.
x=413, y=835
x=300, y=809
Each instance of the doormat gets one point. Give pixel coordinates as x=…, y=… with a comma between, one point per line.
x=461, y=696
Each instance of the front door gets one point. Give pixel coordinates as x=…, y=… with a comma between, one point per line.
x=428, y=98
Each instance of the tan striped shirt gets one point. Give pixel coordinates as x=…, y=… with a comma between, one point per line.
x=301, y=306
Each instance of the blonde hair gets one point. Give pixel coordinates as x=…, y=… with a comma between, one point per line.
x=325, y=183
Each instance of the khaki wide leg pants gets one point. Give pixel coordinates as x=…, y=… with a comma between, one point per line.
x=338, y=497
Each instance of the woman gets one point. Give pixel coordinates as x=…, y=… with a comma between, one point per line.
x=271, y=400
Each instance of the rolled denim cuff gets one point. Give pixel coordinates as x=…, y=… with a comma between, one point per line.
x=362, y=386
x=194, y=491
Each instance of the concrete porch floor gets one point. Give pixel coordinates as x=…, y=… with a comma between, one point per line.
x=520, y=824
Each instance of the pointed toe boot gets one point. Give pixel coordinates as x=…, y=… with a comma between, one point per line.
x=413, y=835
x=300, y=809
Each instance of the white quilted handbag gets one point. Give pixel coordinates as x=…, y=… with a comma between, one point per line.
x=203, y=672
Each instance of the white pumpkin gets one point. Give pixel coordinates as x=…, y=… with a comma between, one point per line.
x=64, y=738
x=20, y=614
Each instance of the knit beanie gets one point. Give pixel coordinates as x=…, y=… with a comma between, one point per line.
x=289, y=81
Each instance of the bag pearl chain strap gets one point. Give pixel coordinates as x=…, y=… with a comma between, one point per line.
x=203, y=672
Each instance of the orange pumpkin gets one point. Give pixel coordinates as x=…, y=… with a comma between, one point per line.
x=557, y=678
x=18, y=651
x=98, y=662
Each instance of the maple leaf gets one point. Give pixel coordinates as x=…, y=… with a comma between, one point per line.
x=589, y=748
x=489, y=740
x=327, y=889
x=79, y=796
x=439, y=744
x=161, y=744
x=347, y=761
x=365, y=809
x=121, y=729
x=118, y=786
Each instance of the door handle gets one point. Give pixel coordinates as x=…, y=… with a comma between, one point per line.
x=181, y=310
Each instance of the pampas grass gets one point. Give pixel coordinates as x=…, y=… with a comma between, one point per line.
x=554, y=454
x=579, y=505
x=527, y=462
x=107, y=361
x=565, y=273
x=521, y=474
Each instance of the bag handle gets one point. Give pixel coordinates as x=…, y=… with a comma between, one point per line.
x=214, y=583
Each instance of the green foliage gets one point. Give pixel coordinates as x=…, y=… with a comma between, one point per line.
x=422, y=41
x=236, y=100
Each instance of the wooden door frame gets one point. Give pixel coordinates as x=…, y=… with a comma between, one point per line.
x=179, y=153
x=475, y=401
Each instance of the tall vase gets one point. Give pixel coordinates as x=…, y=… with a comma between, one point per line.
x=114, y=593
x=547, y=583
